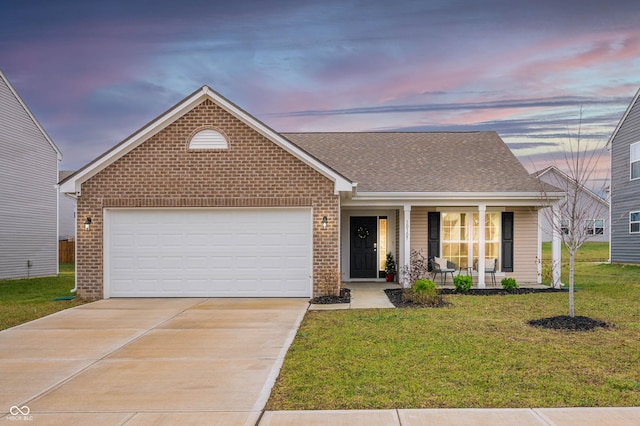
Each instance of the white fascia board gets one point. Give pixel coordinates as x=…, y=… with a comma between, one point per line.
x=73, y=184
x=341, y=183
x=453, y=198
x=624, y=117
x=31, y=116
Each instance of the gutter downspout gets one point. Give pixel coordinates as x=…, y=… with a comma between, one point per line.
x=75, y=246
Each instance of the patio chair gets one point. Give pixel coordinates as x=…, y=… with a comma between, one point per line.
x=490, y=266
x=442, y=267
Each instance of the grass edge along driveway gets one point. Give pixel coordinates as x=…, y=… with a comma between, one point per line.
x=24, y=300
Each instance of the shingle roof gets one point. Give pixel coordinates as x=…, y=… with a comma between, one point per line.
x=420, y=162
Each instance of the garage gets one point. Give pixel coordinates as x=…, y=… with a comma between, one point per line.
x=208, y=252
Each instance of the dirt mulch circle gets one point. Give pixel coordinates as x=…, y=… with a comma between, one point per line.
x=565, y=322
x=344, y=297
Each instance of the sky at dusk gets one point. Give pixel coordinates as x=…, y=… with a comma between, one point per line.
x=94, y=72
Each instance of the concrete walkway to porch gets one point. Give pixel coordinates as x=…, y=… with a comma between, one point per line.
x=364, y=295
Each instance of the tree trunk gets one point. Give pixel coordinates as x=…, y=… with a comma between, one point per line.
x=572, y=256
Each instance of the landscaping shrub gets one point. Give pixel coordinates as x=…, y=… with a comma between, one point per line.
x=462, y=283
x=509, y=283
x=423, y=292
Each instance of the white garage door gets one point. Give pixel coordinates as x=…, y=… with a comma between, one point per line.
x=208, y=252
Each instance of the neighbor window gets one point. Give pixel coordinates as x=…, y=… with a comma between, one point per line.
x=564, y=226
x=594, y=226
x=634, y=222
x=635, y=160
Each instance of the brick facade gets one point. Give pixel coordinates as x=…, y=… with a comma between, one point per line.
x=163, y=172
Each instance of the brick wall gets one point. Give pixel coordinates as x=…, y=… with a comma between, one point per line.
x=163, y=172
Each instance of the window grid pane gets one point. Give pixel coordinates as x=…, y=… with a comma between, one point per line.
x=634, y=222
x=635, y=160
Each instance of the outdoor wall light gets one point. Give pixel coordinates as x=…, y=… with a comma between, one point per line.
x=324, y=222
x=87, y=224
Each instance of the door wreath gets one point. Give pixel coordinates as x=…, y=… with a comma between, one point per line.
x=362, y=232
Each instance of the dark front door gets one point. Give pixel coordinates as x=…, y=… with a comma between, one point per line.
x=364, y=253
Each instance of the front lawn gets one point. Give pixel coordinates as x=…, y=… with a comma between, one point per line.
x=28, y=299
x=477, y=352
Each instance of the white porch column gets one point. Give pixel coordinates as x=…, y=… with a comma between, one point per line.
x=556, y=242
x=482, y=210
x=405, y=243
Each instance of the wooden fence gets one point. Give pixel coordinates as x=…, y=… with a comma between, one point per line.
x=66, y=251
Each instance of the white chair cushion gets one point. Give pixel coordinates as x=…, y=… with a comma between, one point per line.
x=442, y=263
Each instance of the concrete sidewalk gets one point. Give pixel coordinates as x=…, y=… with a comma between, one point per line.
x=628, y=416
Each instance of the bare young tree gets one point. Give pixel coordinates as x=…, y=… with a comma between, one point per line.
x=576, y=217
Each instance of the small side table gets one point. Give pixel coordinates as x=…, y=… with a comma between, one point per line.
x=469, y=272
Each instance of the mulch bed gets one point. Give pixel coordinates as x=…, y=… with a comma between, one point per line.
x=344, y=297
x=395, y=294
x=500, y=291
x=565, y=322
x=395, y=297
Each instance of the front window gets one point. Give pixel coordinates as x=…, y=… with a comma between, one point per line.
x=635, y=160
x=492, y=236
x=634, y=222
x=594, y=226
x=455, y=238
x=564, y=226
x=460, y=235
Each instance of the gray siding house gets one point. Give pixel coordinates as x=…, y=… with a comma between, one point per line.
x=594, y=209
x=28, y=191
x=625, y=186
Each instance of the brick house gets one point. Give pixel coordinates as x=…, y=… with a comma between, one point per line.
x=207, y=201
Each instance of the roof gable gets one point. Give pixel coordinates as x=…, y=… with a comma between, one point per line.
x=73, y=183
x=559, y=180
x=32, y=118
x=624, y=117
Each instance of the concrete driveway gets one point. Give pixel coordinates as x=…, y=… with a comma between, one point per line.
x=147, y=361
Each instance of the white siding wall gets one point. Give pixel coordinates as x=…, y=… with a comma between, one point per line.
x=28, y=196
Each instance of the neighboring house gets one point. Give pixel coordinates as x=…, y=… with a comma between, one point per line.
x=208, y=201
x=624, y=145
x=594, y=209
x=28, y=178
x=66, y=212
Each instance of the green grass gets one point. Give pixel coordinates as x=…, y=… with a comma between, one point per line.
x=28, y=299
x=478, y=352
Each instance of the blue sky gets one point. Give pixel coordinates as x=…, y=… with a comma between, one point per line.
x=94, y=72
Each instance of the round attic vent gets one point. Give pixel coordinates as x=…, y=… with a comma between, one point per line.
x=208, y=139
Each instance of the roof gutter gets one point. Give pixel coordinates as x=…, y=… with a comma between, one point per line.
x=456, y=198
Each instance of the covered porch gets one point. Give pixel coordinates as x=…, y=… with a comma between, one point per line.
x=448, y=229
